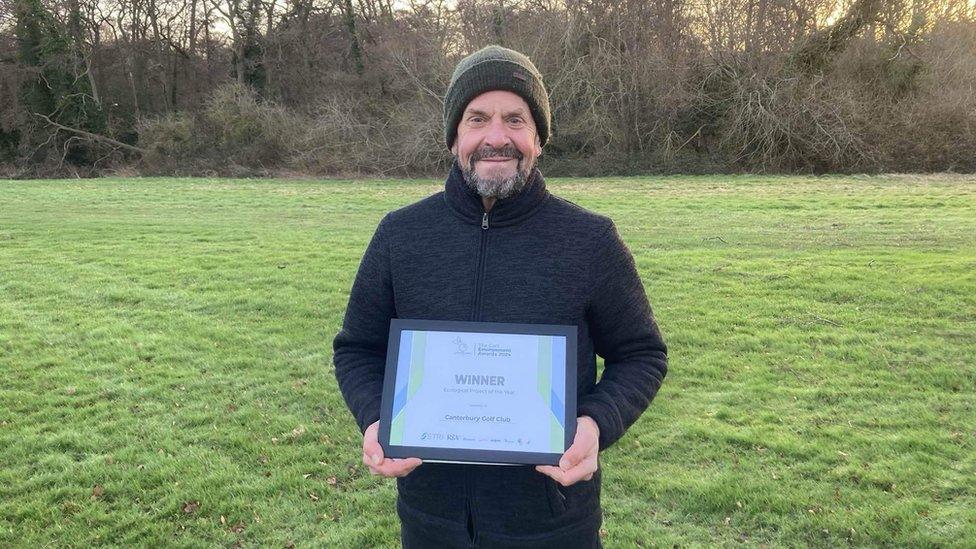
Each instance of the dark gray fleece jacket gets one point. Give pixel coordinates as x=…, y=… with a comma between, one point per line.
x=533, y=258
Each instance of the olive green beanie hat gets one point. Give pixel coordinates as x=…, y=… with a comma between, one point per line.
x=495, y=68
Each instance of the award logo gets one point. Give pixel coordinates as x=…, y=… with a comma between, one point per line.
x=481, y=349
x=462, y=347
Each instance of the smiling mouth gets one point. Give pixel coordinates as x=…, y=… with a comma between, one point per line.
x=495, y=159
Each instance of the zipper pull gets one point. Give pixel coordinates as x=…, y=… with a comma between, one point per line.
x=484, y=221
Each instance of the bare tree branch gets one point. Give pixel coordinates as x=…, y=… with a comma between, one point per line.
x=94, y=136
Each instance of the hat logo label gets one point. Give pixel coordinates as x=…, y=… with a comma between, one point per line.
x=520, y=75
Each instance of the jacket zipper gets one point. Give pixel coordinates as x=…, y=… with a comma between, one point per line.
x=476, y=315
x=482, y=252
x=469, y=508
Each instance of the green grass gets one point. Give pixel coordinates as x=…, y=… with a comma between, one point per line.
x=169, y=341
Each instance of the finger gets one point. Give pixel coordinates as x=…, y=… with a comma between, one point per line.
x=373, y=451
x=546, y=469
x=367, y=461
x=583, y=471
x=555, y=473
x=573, y=456
x=369, y=465
x=398, y=467
x=408, y=466
x=376, y=469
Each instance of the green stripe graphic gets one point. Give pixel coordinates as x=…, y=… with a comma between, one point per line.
x=545, y=367
x=416, y=363
x=396, y=430
x=545, y=391
x=555, y=435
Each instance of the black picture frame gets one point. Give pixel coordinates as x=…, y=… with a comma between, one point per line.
x=475, y=456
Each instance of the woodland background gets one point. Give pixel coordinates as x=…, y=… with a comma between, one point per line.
x=339, y=87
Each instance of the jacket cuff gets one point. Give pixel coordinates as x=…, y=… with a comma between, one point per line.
x=368, y=417
x=606, y=419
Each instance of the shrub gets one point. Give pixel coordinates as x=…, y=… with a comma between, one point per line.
x=169, y=140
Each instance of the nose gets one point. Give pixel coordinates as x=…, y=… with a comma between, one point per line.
x=497, y=135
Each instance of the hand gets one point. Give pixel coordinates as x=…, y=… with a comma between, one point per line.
x=581, y=459
x=378, y=465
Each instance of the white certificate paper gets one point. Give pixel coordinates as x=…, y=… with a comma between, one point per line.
x=480, y=391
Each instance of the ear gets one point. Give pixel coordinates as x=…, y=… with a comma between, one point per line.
x=454, y=147
x=538, y=145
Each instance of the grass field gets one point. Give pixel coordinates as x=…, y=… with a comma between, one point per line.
x=166, y=380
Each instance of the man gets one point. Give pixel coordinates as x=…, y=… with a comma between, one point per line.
x=496, y=246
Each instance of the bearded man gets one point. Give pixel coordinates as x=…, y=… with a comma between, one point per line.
x=496, y=246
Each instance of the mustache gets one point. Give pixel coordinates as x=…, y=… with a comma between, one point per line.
x=508, y=151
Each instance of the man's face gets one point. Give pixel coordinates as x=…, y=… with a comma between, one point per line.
x=497, y=144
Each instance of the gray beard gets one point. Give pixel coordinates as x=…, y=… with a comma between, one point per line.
x=497, y=188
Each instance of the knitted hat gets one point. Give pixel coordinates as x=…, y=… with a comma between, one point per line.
x=495, y=68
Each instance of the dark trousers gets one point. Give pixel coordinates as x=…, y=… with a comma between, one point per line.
x=420, y=536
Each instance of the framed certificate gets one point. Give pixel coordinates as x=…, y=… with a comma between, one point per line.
x=479, y=392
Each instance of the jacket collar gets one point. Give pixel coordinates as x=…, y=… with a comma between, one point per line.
x=466, y=203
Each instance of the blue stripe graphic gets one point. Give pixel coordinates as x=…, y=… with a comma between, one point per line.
x=557, y=408
x=558, y=378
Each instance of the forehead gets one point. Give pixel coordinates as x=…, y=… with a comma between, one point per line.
x=498, y=100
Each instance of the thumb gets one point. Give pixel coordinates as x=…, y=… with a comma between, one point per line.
x=372, y=449
x=572, y=457
x=375, y=453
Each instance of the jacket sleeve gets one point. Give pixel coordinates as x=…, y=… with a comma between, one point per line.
x=625, y=334
x=359, y=349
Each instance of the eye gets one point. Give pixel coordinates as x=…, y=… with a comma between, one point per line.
x=516, y=120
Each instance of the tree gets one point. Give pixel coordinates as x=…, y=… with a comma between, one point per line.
x=243, y=18
x=54, y=89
